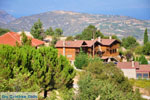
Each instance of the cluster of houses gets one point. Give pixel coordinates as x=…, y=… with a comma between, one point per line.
x=106, y=49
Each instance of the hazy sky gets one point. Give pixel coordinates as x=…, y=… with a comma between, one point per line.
x=139, y=9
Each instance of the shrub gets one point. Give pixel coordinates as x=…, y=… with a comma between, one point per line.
x=81, y=60
x=91, y=88
x=143, y=60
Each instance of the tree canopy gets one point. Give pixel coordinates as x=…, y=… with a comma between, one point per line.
x=106, y=82
x=25, y=40
x=37, y=30
x=58, y=32
x=3, y=31
x=81, y=60
x=129, y=42
x=49, y=31
x=146, y=48
x=143, y=60
x=39, y=69
x=88, y=32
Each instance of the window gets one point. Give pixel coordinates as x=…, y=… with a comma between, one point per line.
x=145, y=75
x=138, y=75
x=110, y=51
x=114, y=50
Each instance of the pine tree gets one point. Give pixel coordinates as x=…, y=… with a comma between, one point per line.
x=37, y=30
x=145, y=36
x=39, y=69
x=58, y=32
x=52, y=72
x=50, y=31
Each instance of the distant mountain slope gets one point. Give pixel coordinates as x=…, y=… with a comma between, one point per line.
x=5, y=17
x=73, y=23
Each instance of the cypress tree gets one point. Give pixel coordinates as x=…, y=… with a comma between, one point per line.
x=145, y=36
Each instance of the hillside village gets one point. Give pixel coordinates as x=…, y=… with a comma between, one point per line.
x=54, y=61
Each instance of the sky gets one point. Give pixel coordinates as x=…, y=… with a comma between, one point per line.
x=139, y=9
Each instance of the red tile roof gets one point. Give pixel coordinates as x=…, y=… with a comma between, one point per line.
x=76, y=44
x=11, y=38
x=127, y=65
x=69, y=43
x=107, y=41
x=144, y=68
x=90, y=42
x=137, y=66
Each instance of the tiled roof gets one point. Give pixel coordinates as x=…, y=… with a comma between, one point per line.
x=127, y=65
x=144, y=68
x=69, y=44
x=107, y=41
x=137, y=66
x=78, y=43
x=11, y=38
x=90, y=42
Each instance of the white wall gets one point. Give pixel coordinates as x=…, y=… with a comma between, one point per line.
x=130, y=73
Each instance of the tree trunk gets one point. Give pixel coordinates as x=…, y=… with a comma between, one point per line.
x=45, y=93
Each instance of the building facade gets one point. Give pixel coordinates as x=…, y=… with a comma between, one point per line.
x=103, y=48
x=134, y=70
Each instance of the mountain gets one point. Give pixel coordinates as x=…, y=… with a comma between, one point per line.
x=5, y=17
x=73, y=23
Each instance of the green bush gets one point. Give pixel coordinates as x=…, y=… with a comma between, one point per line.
x=109, y=72
x=81, y=60
x=139, y=50
x=91, y=88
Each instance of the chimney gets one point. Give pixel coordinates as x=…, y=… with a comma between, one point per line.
x=20, y=38
x=99, y=39
x=133, y=65
x=63, y=48
x=110, y=37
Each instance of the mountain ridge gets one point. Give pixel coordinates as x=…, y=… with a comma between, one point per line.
x=5, y=17
x=74, y=22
